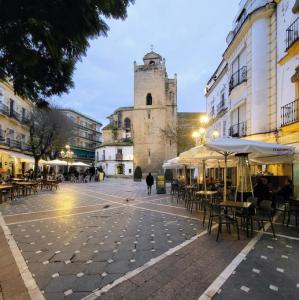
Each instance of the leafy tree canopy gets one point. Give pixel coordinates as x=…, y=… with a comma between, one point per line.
x=41, y=41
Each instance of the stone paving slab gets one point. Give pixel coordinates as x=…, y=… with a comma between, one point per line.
x=9, y=219
x=9, y=273
x=269, y=272
x=98, y=247
x=75, y=246
x=182, y=275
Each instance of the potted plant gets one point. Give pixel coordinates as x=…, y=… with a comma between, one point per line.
x=138, y=174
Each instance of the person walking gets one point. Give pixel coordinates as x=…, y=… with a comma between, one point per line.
x=149, y=181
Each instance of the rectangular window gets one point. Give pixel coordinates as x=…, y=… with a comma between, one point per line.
x=224, y=128
x=23, y=113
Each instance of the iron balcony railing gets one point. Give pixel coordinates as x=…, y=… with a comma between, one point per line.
x=2, y=137
x=4, y=109
x=13, y=143
x=238, y=130
x=15, y=115
x=292, y=33
x=237, y=78
x=221, y=106
x=25, y=147
x=290, y=113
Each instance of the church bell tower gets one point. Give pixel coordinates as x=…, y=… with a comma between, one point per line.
x=154, y=114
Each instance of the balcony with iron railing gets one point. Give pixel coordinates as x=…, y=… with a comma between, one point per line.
x=292, y=34
x=290, y=113
x=4, y=110
x=237, y=78
x=13, y=143
x=221, y=107
x=238, y=130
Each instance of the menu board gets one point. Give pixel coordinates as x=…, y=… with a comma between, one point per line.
x=160, y=184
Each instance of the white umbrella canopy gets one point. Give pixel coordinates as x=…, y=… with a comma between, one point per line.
x=248, y=149
x=251, y=147
x=173, y=164
x=79, y=164
x=56, y=162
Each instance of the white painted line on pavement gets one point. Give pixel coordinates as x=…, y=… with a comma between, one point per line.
x=164, y=212
x=66, y=215
x=281, y=235
x=210, y=292
x=95, y=294
x=168, y=205
x=33, y=290
x=51, y=210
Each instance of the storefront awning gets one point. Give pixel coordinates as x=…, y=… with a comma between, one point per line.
x=22, y=157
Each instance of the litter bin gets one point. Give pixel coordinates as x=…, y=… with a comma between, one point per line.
x=160, y=184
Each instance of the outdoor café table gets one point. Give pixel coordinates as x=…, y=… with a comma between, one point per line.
x=17, y=179
x=26, y=185
x=239, y=205
x=206, y=193
x=5, y=187
x=50, y=183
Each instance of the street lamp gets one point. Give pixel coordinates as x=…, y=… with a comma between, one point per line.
x=204, y=119
x=67, y=154
x=215, y=134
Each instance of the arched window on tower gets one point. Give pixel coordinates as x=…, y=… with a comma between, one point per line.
x=152, y=62
x=127, y=123
x=149, y=99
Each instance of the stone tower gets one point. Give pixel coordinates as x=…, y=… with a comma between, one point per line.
x=154, y=114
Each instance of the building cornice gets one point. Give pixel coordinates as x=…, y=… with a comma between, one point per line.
x=80, y=114
x=259, y=13
x=215, y=83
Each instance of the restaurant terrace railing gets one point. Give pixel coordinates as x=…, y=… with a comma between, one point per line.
x=292, y=33
x=238, y=130
x=290, y=113
x=237, y=78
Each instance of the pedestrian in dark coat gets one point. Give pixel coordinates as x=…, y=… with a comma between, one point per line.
x=149, y=181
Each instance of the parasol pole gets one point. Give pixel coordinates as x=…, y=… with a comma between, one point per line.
x=204, y=175
x=225, y=171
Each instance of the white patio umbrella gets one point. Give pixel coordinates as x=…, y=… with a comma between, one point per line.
x=56, y=162
x=173, y=164
x=208, y=158
x=247, y=149
x=79, y=164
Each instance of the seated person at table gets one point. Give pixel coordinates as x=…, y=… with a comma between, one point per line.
x=211, y=184
x=286, y=192
x=261, y=190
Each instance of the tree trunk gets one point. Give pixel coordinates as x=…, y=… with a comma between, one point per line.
x=36, y=159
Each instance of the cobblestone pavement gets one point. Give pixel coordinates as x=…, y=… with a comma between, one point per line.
x=112, y=241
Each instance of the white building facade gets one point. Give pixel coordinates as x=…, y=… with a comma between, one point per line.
x=257, y=79
x=115, y=159
x=243, y=88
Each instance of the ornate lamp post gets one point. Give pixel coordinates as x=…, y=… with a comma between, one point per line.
x=67, y=154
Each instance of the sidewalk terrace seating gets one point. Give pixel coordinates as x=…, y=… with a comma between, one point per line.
x=20, y=187
x=242, y=215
